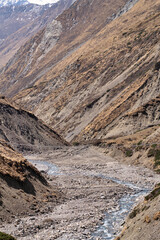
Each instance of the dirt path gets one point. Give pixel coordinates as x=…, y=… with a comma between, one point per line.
x=93, y=184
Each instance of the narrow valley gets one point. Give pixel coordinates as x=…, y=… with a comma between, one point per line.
x=80, y=120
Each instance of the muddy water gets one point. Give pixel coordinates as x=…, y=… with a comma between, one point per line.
x=114, y=218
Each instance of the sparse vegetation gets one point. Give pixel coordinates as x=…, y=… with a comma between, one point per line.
x=139, y=146
x=145, y=208
x=157, y=171
x=134, y=213
x=147, y=219
x=129, y=153
x=151, y=152
x=139, y=143
x=156, y=216
x=154, y=193
x=154, y=145
x=75, y=143
x=157, y=66
x=4, y=236
x=157, y=155
x=154, y=151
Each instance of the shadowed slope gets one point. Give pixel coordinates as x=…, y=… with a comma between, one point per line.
x=21, y=184
x=24, y=130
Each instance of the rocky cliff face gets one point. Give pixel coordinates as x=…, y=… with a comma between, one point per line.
x=15, y=17
x=14, y=27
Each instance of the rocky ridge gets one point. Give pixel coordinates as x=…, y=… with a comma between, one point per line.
x=71, y=31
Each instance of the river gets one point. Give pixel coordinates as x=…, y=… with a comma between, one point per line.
x=97, y=193
x=114, y=218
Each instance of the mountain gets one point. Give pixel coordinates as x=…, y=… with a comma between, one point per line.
x=13, y=2
x=19, y=22
x=43, y=2
x=21, y=185
x=76, y=30
x=24, y=2
x=92, y=72
x=15, y=17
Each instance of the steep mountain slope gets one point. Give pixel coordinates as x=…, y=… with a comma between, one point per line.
x=24, y=131
x=22, y=188
x=143, y=221
x=86, y=76
x=19, y=22
x=12, y=19
x=15, y=17
x=67, y=33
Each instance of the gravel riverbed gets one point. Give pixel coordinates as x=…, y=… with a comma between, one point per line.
x=93, y=185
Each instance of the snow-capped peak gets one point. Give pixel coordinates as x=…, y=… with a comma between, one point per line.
x=24, y=2
x=43, y=2
x=12, y=2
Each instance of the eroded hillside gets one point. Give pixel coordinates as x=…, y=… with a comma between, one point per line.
x=142, y=222
x=22, y=188
x=25, y=131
